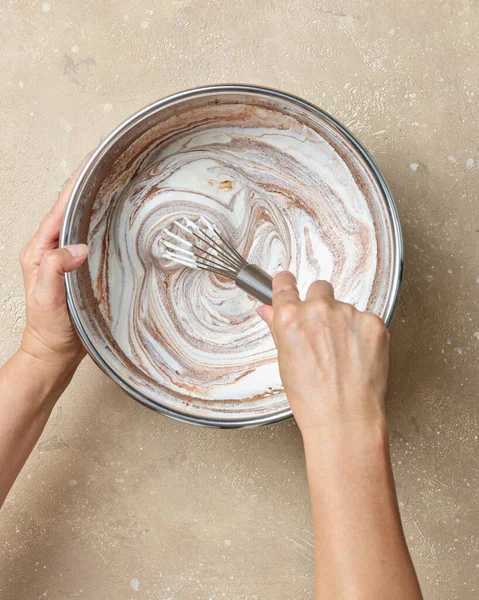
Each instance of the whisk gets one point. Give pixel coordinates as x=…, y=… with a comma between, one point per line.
x=210, y=251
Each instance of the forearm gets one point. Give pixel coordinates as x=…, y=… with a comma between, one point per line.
x=28, y=392
x=359, y=543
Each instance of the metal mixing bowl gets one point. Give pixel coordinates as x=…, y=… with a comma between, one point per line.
x=81, y=302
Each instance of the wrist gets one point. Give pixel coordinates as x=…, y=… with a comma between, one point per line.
x=354, y=438
x=45, y=380
x=58, y=359
x=347, y=459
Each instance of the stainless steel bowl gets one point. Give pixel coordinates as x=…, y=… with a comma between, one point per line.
x=80, y=298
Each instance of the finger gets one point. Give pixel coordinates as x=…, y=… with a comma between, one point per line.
x=285, y=290
x=266, y=312
x=320, y=290
x=48, y=231
x=50, y=287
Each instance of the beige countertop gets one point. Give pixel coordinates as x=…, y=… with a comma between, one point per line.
x=119, y=503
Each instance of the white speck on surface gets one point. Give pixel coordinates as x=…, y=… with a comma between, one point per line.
x=46, y=7
x=108, y=107
x=451, y=159
x=449, y=271
x=63, y=163
x=449, y=342
x=228, y=542
x=74, y=48
x=150, y=12
x=64, y=124
x=476, y=335
x=477, y=280
x=145, y=24
x=29, y=476
x=135, y=584
x=73, y=483
x=126, y=18
x=20, y=84
x=429, y=278
x=459, y=350
x=414, y=166
x=469, y=163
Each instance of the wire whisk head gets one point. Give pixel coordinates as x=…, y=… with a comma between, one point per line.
x=202, y=248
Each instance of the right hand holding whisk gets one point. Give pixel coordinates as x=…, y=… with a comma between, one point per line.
x=333, y=362
x=333, y=359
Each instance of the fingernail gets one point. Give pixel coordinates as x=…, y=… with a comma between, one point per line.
x=77, y=250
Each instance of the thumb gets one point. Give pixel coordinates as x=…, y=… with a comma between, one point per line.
x=266, y=312
x=54, y=265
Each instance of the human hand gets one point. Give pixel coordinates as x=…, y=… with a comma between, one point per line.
x=49, y=336
x=333, y=359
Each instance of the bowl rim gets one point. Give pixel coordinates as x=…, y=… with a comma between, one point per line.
x=397, y=249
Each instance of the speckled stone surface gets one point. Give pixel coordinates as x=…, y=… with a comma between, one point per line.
x=119, y=503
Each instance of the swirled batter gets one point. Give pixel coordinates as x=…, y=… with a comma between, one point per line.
x=279, y=192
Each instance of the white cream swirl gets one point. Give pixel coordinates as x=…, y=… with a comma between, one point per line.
x=277, y=190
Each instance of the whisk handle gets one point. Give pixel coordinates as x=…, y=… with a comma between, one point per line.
x=256, y=282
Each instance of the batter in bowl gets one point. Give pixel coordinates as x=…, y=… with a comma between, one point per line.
x=277, y=190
